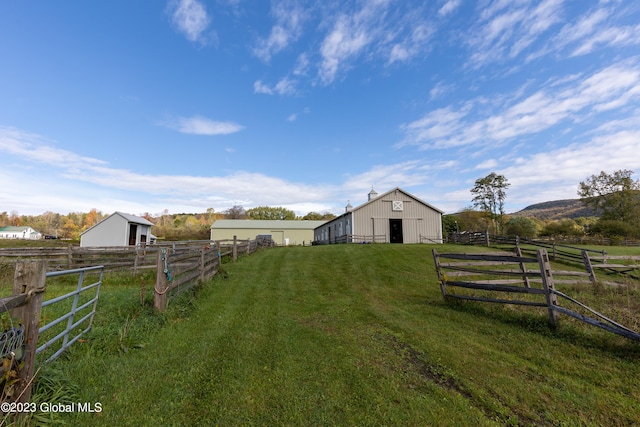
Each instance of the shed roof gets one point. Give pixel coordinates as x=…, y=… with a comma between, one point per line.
x=265, y=224
x=134, y=219
x=130, y=218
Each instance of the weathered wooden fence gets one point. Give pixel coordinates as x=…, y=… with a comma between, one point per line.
x=179, y=269
x=131, y=258
x=591, y=259
x=484, y=238
x=516, y=279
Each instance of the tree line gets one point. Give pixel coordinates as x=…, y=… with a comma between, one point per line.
x=181, y=226
x=614, y=197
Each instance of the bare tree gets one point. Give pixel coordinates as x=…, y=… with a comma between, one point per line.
x=236, y=212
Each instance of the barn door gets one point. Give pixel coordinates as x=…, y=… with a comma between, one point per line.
x=395, y=230
x=133, y=233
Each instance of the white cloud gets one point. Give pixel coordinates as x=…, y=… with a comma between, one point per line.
x=285, y=86
x=559, y=171
x=70, y=181
x=346, y=40
x=487, y=164
x=290, y=18
x=378, y=31
x=440, y=89
x=190, y=18
x=412, y=45
x=507, y=28
x=449, y=7
x=198, y=125
x=573, y=100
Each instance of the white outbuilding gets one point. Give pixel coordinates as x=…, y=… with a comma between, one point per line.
x=19, y=232
x=118, y=229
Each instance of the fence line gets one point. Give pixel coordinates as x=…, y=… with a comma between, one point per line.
x=481, y=237
x=179, y=269
x=508, y=276
x=133, y=258
x=624, y=264
x=180, y=266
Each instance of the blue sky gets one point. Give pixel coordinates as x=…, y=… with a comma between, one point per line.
x=184, y=105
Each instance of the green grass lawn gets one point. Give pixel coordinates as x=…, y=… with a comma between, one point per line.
x=343, y=335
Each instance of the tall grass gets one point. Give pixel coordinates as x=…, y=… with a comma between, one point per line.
x=344, y=335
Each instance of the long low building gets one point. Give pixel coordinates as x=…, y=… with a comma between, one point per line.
x=282, y=232
x=19, y=232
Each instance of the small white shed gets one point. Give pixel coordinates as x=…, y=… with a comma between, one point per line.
x=118, y=229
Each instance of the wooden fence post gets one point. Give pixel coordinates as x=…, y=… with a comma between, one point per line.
x=547, y=283
x=202, y=259
x=70, y=257
x=523, y=267
x=441, y=278
x=587, y=264
x=30, y=278
x=160, y=289
x=234, y=251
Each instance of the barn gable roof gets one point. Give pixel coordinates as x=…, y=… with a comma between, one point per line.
x=378, y=197
x=402, y=191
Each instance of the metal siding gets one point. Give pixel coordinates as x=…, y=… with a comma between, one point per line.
x=112, y=231
x=418, y=219
x=296, y=237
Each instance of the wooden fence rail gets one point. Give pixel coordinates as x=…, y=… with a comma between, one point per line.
x=565, y=253
x=132, y=258
x=520, y=280
x=179, y=269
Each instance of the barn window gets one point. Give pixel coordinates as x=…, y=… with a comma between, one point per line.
x=397, y=205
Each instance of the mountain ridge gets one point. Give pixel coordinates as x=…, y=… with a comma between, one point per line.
x=557, y=209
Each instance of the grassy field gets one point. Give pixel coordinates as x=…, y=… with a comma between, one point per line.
x=343, y=335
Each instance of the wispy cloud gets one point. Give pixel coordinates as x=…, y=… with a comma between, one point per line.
x=380, y=32
x=449, y=7
x=348, y=38
x=506, y=29
x=293, y=117
x=440, y=89
x=34, y=148
x=198, y=125
x=594, y=30
x=573, y=100
x=411, y=45
x=285, y=86
x=289, y=17
x=78, y=175
x=190, y=18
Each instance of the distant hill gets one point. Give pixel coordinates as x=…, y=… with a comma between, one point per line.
x=557, y=209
